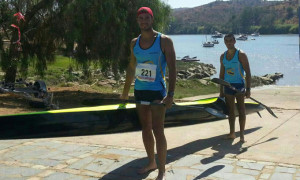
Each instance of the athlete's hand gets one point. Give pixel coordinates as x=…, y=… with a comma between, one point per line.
x=168, y=101
x=124, y=97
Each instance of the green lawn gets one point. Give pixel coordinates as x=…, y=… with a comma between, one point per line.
x=58, y=74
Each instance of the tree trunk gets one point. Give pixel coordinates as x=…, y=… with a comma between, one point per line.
x=11, y=63
x=10, y=73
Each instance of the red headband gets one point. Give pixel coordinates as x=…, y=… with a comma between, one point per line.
x=143, y=10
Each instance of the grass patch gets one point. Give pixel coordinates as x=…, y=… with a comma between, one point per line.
x=189, y=88
x=62, y=62
x=64, y=72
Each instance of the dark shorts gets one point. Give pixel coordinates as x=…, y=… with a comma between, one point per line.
x=238, y=86
x=149, y=96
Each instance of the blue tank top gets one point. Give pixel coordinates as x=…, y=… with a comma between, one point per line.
x=153, y=78
x=234, y=71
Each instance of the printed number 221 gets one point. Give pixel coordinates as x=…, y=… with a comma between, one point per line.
x=146, y=72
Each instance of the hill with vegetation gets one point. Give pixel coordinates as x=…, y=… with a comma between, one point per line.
x=237, y=16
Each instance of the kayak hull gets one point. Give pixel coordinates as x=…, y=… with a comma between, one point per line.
x=98, y=120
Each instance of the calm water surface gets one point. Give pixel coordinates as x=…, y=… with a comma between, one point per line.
x=267, y=54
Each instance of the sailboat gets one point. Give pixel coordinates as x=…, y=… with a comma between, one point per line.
x=208, y=43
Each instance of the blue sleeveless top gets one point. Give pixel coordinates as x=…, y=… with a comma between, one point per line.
x=234, y=71
x=153, y=55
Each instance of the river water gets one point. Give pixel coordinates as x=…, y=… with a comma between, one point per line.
x=267, y=54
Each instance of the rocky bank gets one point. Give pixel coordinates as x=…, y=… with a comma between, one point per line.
x=185, y=71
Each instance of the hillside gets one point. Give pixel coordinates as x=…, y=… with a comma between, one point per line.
x=238, y=16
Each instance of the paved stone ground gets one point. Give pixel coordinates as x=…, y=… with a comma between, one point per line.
x=272, y=150
x=58, y=160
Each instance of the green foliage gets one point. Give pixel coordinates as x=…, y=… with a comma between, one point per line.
x=245, y=19
x=255, y=28
x=98, y=31
x=276, y=29
x=290, y=13
x=102, y=30
x=39, y=38
x=294, y=29
x=283, y=28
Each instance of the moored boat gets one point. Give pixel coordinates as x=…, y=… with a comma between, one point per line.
x=242, y=37
x=215, y=41
x=208, y=44
x=217, y=35
x=255, y=34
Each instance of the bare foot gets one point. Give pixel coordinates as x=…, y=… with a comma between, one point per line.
x=161, y=176
x=230, y=137
x=147, y=169
x=242, y=139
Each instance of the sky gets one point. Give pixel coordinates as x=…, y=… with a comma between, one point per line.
x=189, y=3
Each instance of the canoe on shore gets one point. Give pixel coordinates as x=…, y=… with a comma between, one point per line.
x=105, y=119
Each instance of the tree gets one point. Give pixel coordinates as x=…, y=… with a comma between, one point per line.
x=102, y=30
x=290, y=13
x=38, y=36
x=246, y=19
x=267, y=23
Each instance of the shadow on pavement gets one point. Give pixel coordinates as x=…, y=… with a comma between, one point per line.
x=129, y=170
x=210, y=171
x=226, y=147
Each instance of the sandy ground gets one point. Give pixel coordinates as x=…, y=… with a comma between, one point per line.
x=65, y=97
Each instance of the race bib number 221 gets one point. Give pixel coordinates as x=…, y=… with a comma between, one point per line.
x=146, y=72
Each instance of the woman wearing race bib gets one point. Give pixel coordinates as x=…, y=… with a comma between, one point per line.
x=151, y=53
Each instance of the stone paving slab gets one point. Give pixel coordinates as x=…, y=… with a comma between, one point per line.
x=114, y=163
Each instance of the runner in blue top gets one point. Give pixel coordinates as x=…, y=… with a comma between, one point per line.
x=151, y=52
x=151, y=66
x=234, y=65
